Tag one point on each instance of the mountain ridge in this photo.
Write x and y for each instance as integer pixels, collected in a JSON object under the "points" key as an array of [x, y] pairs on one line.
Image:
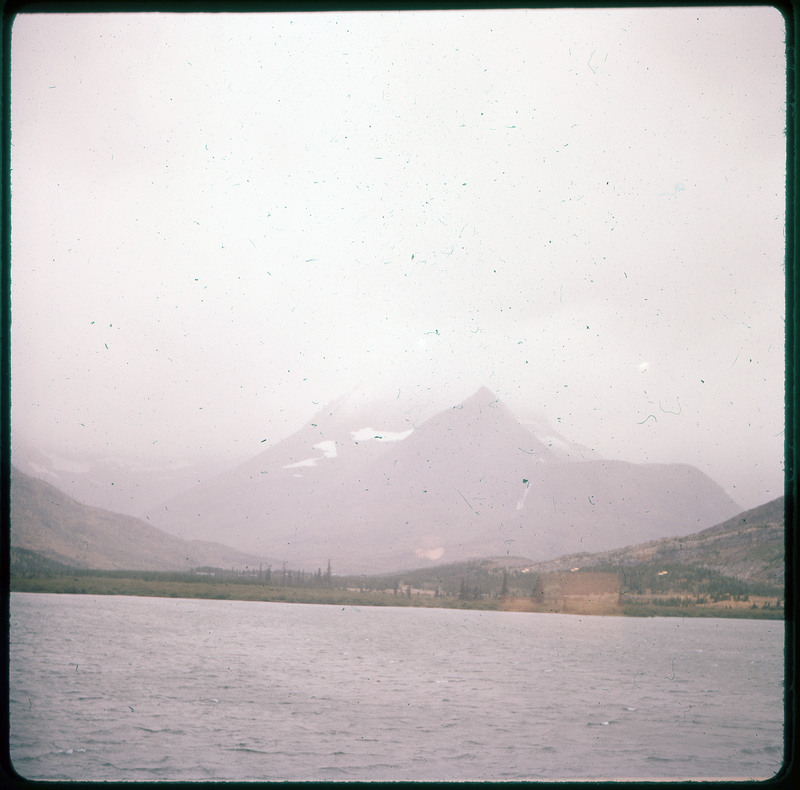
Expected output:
{"points": [[749, 547], [47, 521], [470, 480]]}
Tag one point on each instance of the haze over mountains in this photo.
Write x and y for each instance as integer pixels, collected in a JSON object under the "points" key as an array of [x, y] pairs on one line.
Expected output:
{"points": [[375, 492], [122, 486], [52, 533], [47, 521]]}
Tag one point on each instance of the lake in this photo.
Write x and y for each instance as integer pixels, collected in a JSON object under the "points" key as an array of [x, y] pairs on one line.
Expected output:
{"points": [[117, 688]]}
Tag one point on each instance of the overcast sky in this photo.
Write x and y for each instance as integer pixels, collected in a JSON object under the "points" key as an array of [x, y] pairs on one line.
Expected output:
{"points": [[221, 222]]}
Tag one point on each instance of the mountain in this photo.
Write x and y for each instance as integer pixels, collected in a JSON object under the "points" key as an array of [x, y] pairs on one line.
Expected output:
{"points": [[46, 521], [749, 547], [374, 491], [742, 554]]}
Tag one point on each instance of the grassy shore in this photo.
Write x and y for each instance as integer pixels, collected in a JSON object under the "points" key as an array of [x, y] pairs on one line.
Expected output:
{"points": [[100, 585], [222, 590], [755, 608]]}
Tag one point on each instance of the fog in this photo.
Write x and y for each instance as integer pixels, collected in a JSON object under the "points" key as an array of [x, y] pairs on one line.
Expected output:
{"points": [[222, 222]]}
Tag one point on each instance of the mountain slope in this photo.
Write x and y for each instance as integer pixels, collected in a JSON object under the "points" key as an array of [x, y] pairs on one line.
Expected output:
{"points": [[260, 502], [47, 521], [749, 547], [470, 481]]}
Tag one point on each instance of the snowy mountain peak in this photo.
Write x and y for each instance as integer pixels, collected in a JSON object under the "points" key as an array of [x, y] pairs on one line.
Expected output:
{"points": [[482, 398], [376, 490], [365, 434]]}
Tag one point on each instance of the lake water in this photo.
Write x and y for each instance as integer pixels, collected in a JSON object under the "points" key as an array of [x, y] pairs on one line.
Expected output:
{"points": [[148, 689]]}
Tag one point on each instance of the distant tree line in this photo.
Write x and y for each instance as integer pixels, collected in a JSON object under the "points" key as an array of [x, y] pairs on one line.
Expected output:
{"points": [[285, 577], [30, 563], [481, 580]]}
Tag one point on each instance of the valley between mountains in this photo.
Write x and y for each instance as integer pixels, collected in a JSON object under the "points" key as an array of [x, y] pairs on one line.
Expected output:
{"points": [[369, 492]]}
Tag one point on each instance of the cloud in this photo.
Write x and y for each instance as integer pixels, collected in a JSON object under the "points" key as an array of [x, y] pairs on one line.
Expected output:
{"points": [[216, 232]]}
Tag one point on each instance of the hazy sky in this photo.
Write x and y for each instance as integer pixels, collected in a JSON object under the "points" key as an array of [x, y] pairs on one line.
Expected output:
{"points": [[220, 222]]}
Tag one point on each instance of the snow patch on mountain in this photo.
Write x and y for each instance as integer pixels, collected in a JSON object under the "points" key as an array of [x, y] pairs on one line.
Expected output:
{"points": [[562, 449], [305, 462], [328, 448], [526, 491], [365, 434]]}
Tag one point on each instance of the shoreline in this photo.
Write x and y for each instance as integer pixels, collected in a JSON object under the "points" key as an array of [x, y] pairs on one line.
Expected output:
{"points": [[332, 596]]}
